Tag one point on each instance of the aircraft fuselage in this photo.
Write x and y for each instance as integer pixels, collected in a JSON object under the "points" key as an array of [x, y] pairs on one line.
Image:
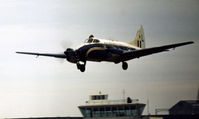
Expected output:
{"points": [[98, 52]]}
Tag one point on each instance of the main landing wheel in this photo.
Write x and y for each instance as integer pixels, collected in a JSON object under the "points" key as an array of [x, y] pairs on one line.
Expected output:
{"points": [[124, 65], [81, 67]]}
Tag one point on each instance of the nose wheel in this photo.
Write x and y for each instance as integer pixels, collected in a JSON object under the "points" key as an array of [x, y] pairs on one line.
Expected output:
{"points": [[81, 67], [124, 65]]}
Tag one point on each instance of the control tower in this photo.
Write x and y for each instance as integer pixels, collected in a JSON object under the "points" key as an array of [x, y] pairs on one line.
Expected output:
{"points": [[99, 106]]}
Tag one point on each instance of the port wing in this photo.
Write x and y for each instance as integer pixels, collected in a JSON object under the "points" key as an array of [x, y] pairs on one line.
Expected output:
{"points": [[148, 51], [44, 54]]}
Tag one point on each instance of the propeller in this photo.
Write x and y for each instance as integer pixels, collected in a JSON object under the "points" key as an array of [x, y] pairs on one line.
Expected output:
{"points": [[64, 44], [72, 55]]}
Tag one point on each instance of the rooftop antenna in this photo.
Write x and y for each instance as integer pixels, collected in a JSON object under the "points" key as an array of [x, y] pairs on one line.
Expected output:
{"points": [[148, 107], [198, 93], [123, 94]]}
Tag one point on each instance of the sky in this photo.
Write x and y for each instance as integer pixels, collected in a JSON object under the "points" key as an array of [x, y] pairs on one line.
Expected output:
{"points": [[43, 86]]}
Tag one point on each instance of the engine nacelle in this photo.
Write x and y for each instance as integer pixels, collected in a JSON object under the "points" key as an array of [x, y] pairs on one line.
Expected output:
{"points": [[71, 55]]}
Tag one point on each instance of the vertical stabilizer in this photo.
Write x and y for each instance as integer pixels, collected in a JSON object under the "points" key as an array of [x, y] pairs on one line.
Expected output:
{"points": [[139, 40]]}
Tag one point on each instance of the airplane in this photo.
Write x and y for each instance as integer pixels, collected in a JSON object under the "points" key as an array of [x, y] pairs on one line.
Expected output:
{"points": [[98, 50]]}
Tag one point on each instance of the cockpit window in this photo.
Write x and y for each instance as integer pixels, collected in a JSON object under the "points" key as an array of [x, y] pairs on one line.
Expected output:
{"points": [[90, 40], [96, 41]]}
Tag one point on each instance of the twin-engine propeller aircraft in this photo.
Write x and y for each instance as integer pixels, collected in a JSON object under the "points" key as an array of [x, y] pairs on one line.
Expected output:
{"points": [[97, 50]]}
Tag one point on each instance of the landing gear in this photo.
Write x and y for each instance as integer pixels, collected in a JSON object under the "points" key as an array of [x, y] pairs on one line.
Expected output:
{"points": [[81, 67], [124, 65]]}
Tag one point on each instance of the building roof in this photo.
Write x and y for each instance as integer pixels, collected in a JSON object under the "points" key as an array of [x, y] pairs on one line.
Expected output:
{"points": [[192, 103]]}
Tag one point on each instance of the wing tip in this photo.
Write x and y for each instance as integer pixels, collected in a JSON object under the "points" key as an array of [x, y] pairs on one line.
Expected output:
{"points": [[18, 52], [190, 42]]}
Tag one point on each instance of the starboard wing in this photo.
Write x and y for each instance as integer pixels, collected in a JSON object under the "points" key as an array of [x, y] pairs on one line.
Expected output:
{"points": [[148, 51]]}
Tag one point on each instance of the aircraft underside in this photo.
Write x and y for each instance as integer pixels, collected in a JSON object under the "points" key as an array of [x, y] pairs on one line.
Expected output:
{"points": [[99, 56], [82, 65]]}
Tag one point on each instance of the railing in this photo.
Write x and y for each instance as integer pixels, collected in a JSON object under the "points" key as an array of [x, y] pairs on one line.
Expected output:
{"points": [[121, 101]]}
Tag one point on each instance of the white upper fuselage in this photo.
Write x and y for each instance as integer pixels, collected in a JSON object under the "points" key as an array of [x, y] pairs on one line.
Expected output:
{"points": [[108, 42]]}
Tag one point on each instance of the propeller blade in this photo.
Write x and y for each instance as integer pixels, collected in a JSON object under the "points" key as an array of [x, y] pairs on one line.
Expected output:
{"points": [[66, 44]]}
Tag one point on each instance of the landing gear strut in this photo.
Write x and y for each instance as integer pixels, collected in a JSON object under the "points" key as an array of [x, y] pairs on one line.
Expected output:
{"points": [[81, 67], [124, 65]]}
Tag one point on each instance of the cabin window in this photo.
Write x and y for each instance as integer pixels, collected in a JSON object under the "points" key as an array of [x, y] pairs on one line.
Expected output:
{"points": [[110, 47]]}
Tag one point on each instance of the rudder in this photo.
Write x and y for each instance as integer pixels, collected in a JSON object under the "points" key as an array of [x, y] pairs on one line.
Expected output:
{"points": [[139, 40]]}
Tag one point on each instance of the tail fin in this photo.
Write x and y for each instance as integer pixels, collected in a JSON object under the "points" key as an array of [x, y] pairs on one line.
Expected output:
{"points": [[139, 40]]}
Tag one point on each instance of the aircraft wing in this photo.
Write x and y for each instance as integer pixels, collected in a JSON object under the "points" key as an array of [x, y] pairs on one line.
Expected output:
{"points": [[44, 54], [148, 51]]}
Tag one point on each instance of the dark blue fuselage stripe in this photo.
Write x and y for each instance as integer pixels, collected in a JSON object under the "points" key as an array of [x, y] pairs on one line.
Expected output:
{"points": [[112, 48]]}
